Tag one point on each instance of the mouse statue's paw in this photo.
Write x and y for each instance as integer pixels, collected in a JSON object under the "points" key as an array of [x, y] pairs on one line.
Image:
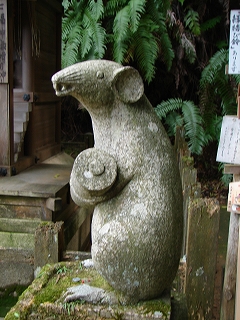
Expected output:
{"points": [[93, 174], [89, 294]]}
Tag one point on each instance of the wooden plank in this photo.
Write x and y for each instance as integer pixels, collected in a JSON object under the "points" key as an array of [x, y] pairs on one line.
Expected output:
{"points": [[237, 303], [5, 132], [3, 42], [54, 204], [74, 223], [55, 4], [229, 285], [201, 252]]}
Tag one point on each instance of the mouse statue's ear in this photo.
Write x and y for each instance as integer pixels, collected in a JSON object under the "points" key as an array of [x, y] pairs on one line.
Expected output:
{"points": [[128, 84]]}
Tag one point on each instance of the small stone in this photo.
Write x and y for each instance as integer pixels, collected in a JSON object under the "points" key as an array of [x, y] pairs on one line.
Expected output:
{"points": [[88, 263], [76, 279]]}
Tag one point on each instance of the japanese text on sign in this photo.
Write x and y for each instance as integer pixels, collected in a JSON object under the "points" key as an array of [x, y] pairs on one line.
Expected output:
{"points": [[234, 43], [229, 144]]}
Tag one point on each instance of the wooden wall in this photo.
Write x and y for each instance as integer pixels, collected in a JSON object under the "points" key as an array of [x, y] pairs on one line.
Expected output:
{"points": [[43, 134], [32, 27]]}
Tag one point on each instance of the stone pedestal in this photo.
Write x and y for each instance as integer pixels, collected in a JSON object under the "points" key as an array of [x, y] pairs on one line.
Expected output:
{"points": [[46, 298]]}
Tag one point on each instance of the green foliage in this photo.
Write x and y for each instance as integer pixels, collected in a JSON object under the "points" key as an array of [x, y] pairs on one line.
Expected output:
{"points": [[83, 36], [168, 35], [216, 85], [190, 118], [131, 30], [191, 20], [210, 24]]}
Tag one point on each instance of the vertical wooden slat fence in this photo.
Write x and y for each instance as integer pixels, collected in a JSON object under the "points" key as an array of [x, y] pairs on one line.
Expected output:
{"points": [[199, 251]]}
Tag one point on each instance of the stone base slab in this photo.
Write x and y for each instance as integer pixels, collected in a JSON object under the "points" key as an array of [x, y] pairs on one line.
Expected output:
{"points": [[44, 298]]}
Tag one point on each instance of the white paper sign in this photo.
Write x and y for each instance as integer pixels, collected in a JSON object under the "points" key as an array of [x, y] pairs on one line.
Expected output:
{"points": [[229, 144], [234, 43]]}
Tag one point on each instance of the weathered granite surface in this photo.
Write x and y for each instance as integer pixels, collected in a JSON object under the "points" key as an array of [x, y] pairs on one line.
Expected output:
{"points": [[130, 176]]}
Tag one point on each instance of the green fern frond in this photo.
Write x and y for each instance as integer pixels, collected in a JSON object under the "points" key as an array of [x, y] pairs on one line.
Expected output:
{"points": [[191, 20], [160, 5], [86, 44], [121, 24], [214, 68], [97, 33], [146, 47], [121, 33], [236, 77], [210, 24], [192, 120], [136, 10], [168, 106], [193, 127], [165, 42], [227, 95], [97, 9], [172, 121], [113, 6]]}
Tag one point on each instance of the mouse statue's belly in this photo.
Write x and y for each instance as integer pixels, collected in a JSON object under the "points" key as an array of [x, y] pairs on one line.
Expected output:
{"points": [[130, 177]]}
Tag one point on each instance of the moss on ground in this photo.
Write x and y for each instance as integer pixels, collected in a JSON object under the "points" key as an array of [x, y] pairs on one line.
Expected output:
{"points": [[9, 297], [44, 299]]}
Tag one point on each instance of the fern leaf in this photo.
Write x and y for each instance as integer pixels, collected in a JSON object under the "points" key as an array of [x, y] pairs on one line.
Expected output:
{"points": [[113, 6], [97, 9], [86, 44], [210, 24], [167, 106], [192, 120], [191, 20], [165, 42], [215, 67], [121, 34], [96, 32], [193, 127], [146, 48], [121, 23], [136, 10]]}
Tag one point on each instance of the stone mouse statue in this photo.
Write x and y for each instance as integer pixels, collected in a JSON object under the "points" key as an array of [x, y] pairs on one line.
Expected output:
{"points": [[131, 178]]}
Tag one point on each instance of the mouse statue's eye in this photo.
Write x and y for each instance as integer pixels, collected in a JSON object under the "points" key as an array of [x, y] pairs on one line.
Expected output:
{"points": [[100, 75]]}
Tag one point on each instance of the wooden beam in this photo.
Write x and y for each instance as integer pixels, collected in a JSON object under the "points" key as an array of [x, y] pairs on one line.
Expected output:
{"points": [[229, 286]]}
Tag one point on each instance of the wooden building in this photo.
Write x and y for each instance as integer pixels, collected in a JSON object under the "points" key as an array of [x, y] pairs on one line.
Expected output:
{"points": [[34, 173], [30, 53]]}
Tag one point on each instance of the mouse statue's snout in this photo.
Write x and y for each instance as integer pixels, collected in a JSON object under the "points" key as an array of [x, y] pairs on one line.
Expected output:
{"points": [[130, 177]]}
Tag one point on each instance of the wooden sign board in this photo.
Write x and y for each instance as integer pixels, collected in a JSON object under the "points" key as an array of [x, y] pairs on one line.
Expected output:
{"points": [[234, 43], [3, 42], [233, 204], [229, 144]]}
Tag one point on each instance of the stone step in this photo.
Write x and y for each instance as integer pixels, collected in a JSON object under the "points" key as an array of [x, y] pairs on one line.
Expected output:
{"points": [[18, 136], [16, 266], [20, 126], [23, 106], [17, 240], [21, 115], [19, 225]]}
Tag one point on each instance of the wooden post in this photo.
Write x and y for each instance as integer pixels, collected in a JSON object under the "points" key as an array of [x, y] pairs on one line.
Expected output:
{"points": [[49, 241], [237, 304], [201, 252], [238, 102], [229, 287]]}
